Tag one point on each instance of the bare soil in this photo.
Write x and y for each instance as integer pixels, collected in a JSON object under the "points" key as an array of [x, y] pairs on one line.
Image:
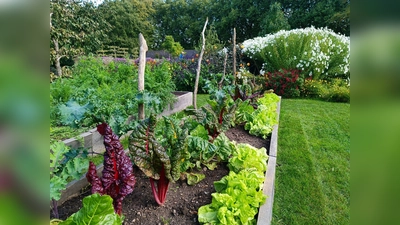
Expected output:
{"points": [[182, 201]]}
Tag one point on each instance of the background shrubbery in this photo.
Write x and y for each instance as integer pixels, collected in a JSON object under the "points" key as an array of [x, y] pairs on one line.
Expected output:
{"points": [[108, 91]]}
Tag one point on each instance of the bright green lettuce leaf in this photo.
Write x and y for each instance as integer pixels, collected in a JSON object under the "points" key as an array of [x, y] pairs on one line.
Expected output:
{"points": [[269, 99], [263, 119], [247, 156], [207, 215], [96, 210]]}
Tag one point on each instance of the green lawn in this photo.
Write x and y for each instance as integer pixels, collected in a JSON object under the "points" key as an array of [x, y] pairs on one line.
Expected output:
{"points": [[313, 173], [202, 100]]}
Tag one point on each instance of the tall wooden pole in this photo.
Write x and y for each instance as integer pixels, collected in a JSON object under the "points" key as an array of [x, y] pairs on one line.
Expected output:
{"points": [[142, 65], [196, 83]]}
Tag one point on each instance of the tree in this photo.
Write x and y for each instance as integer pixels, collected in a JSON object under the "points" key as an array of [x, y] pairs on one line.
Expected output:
{"points": [[334, 14], [128, 18], [73, 30], [174, 48], [274, 20]]}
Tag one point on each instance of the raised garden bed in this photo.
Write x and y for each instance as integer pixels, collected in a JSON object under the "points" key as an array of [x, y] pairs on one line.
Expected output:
{"points": [[183, 201], [93, 141]]}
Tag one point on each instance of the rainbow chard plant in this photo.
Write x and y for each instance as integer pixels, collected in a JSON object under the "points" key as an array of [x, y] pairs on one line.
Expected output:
{"points": [[117, 178], [218, 115], [160, 156]]}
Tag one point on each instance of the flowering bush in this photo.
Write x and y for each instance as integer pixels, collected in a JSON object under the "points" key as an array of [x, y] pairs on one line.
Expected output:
{"points": [[286, 83], [317, 53]]}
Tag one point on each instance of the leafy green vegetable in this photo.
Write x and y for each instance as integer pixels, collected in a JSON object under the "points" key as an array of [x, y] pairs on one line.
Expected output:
{"points": [[238, 195], [194, 178], [96, 210], [247, 156], [72, 113], [203, 151], [243, 112], [264, 118], [237, 200], [111, 91], [65, 164], [218, 115], [160, 157]]}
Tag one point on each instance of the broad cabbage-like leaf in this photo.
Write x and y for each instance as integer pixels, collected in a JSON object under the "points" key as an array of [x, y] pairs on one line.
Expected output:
{"points": [[96, 210], [72, 112]]}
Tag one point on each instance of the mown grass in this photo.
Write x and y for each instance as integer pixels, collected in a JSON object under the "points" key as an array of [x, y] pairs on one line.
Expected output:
{"points": [[313, 173]]}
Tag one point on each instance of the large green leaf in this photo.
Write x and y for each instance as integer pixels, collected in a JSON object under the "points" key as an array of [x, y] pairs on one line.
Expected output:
{"points": [[75, 168], [72, 112], [57, 151], [150, 152], [145, 151], [96, 210], [57, 184]]}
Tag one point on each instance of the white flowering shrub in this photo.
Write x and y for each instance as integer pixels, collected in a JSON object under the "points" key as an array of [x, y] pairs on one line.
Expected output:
{"points": [[317, 53]]}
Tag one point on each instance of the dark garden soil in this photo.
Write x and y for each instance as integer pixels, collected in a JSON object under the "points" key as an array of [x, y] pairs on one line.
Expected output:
{"points": [[182, 201]]}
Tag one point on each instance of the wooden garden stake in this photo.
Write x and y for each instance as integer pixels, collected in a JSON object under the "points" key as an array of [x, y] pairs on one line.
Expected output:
{"points": [[196, 84], [142, 65]]}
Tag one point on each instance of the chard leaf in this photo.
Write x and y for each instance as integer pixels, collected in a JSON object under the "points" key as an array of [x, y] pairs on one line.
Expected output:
{"points": [[224, 146], [144, 149], [194, 178], [211, 166], [96, 210], [200, 131], [117, 176]]}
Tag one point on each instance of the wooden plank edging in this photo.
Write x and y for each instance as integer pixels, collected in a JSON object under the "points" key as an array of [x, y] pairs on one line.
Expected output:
{"points": [[265, 211]]}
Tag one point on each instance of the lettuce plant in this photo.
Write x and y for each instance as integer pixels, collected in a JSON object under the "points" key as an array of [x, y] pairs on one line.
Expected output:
{"points": [[238, 195], [247, 156], [159, 158], [264, 118], [117, 177], [238, 202]]}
